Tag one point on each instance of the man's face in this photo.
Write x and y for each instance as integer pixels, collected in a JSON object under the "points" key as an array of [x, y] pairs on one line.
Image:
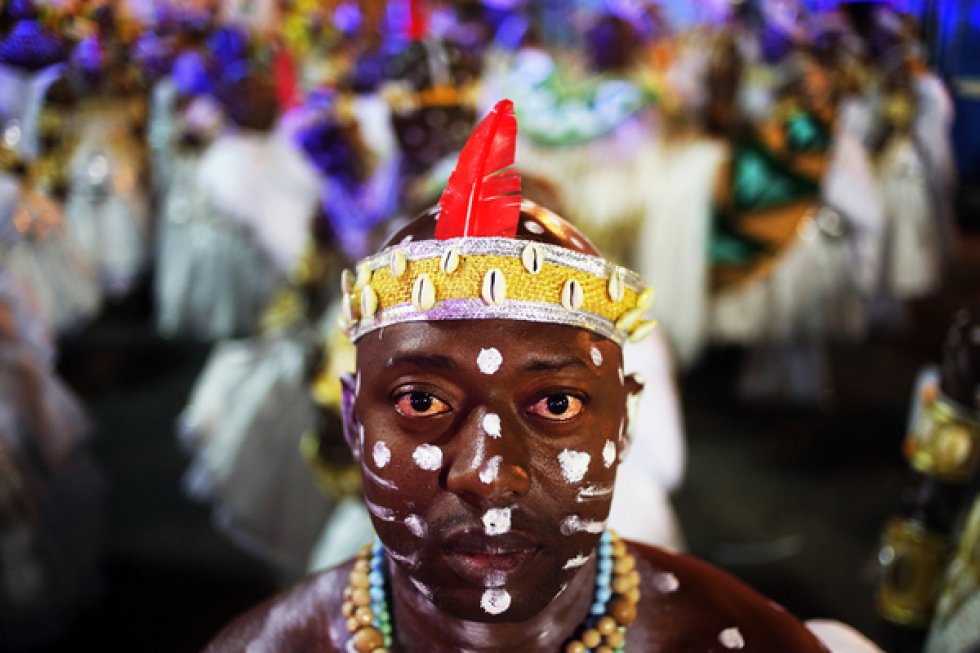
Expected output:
{"points": [[489, 451]]}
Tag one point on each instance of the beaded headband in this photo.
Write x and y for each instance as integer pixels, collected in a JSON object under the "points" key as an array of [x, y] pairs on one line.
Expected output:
{"points": [[475, 269]]}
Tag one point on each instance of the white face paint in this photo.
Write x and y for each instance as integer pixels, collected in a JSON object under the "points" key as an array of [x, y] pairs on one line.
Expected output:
{"points": [[408, 561], [489, 473], [622, 377], [415, 525], [382, 513], [596, 356], [495, 579], [574, 464], [496, 521], [377, 480], [422, 589], [593, 492], [360, 437], [357, 384], [575, 524], [491, 425], [382, 454], [489, 360], [608, 454], [666, 582], [495, 601], [428, 457], [731, 638], [576, 562]]}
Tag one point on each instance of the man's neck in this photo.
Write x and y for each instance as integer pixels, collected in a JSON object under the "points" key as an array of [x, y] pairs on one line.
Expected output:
{"points": [[418, 620]]}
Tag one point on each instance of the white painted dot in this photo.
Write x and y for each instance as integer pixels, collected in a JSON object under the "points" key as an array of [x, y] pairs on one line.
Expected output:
{"points": [[609, 454], [489, 360], [415, 525], [495, 579], [575, 524], [596, 356], [382, 454], [406, 240], [533, 227], [574, 464], [381, 512], [357, 384], [622, 378], [495, 601], [576, 562], [428, 457], [489, 473], [491, 425], [731, 638], [578, 242], [666, 582], [496, 521]]}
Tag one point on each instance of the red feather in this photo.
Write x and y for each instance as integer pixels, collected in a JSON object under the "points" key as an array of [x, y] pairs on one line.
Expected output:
{"points": [[483, 197], [416, 20]]}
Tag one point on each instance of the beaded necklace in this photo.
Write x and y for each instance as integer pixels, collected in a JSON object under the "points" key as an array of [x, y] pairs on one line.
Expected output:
{"points": [[617, 591]]}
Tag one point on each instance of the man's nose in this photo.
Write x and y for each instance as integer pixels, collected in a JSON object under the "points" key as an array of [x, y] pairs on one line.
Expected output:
{"points": [[490, 459]]}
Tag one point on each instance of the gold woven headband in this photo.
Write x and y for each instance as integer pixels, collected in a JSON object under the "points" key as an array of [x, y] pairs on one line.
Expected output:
{"points": [[495, 278]]}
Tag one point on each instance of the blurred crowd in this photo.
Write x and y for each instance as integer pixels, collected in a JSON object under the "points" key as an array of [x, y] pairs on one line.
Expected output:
{"points": [[782, 176]]}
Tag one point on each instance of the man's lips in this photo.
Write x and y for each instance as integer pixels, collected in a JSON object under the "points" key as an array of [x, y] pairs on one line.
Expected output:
{"points": [[480, 558]]}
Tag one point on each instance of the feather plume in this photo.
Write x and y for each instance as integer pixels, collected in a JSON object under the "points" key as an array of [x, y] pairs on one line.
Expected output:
{"points": [[416, 20], [483, 197]]}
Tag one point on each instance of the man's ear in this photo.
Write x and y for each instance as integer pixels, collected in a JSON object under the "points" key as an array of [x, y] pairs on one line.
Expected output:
{"points": [[352, 428], [633, 383]]}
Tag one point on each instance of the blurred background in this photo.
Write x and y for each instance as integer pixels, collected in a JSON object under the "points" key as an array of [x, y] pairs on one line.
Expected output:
{"points": [[183, 185]]}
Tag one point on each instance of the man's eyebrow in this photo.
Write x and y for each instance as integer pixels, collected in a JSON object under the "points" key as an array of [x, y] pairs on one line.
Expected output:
{"points": [[430, 361], [553, 364]]}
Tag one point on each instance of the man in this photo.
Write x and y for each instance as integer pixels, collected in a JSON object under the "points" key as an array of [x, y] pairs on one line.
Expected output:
{"points": [[489, 413]]}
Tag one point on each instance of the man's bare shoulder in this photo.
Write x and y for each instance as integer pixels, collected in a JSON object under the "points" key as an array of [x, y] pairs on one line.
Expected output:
{"points": [[687, 604], [304, 618]]}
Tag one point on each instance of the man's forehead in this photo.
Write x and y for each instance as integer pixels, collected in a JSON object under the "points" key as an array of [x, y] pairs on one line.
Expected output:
{"points": [[447, 344]]}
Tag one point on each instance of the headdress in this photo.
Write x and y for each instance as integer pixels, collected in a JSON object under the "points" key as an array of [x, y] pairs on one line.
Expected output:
{"points": [[474, 268]]}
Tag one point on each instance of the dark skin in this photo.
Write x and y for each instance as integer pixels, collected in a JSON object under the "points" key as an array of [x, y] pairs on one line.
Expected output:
{"points": [[421, 389]]}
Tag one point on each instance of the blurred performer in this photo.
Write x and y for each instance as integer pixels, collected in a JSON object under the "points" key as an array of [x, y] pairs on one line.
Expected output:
{"points": [[107, 205], [38, 249], [50, 491], [917, 550]]}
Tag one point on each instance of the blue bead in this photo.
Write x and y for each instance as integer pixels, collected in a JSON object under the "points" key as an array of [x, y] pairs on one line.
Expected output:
{"points": [[605, 550], [603, 594], [603, 579], [376, 578], [598, 609], [377, 594], [605, 566]]}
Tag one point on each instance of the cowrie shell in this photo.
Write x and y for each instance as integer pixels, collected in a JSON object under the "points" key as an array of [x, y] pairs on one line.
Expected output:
{"points": [[642, 330], [346, 281], [628, 319], [533, 258], [369, 301], [423, 293], [645, 300], [363, 275], [617, 285], [347, 307], [494, 287], [572, 295], [398, 264], [450, 260]]}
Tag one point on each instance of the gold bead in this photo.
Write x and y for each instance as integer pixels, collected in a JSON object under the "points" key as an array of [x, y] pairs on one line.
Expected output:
{"points": [[606, 625], [621, 584], [619, 548], [348, 592], [364, 616], [622, 610], [361, 597], [352, 625], [362, 565], [633, 595], [624, 565], [575, 646], [603, 649], [616, 639], [367, 639], [359, 579], [347, 609], [591, 638], [634, 578]]}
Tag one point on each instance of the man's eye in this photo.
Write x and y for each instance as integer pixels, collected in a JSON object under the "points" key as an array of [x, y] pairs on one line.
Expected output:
{"points": [[420, 404], [559, 407]]}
